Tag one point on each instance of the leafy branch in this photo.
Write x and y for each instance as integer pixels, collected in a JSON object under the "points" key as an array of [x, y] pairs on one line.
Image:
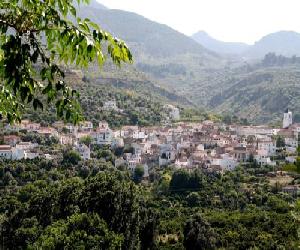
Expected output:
{"points": [[36, 38]]}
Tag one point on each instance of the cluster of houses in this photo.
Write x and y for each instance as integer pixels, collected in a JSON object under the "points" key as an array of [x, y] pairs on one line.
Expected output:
{"points": [[207, 145]]}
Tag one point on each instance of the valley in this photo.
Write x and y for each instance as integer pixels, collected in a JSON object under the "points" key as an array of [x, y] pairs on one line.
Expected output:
{"points": [[162, 141], [228, 83]]}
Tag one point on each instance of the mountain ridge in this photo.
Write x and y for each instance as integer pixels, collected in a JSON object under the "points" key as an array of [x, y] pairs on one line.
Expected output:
{"points": [[284, 42], [219, 46], [208, 80]]}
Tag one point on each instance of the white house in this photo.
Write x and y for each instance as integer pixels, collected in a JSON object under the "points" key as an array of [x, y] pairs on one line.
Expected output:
{"points": [[110, 105], [26, 145], [167, 154], [84, 151], [182, 162], [139, 135], [262, 158], [225, 161], [31, 155], [174, 112], [290, 159], [132, 160], [6, 152], [103, 124], [146, 171], [102, 136], [268, 145], [71, 128], [65, 140], [86, 126], [290, 141], [11, 153]]}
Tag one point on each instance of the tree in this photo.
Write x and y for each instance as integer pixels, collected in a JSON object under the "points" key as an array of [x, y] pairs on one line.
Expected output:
{"points": [[85, 213], [183, 181], [138, 173], [280, 142], [8, 179], [87, 140], [297, 163], [71, 157], [180, 181], [79, 231], [198, 234], [36, 38], [193, 199]]}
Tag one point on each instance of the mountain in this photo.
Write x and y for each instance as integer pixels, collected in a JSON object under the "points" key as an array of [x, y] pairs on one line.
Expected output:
{"points": [[146, 38], [286, 43], [219, 46], [172, 67], [165, 56], [260, 95]]}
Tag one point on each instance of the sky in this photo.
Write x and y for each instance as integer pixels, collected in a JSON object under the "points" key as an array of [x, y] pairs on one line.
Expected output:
{"points": [[227, 20]]}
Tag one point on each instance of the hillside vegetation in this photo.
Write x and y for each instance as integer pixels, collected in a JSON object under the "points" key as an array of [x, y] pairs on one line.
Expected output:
{"points": [[177, 63]]}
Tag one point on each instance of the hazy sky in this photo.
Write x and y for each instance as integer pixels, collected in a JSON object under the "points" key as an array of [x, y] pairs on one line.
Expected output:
{"points": [[227, 20]]}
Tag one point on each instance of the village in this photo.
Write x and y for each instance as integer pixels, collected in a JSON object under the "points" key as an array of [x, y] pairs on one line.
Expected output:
{"points": [[208, 145]]}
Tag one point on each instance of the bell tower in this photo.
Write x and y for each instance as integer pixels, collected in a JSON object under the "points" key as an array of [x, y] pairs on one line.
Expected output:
{"points": [[287, 119]]}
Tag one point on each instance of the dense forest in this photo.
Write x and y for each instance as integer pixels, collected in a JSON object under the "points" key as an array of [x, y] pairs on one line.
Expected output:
{"points": [[72, 203]]}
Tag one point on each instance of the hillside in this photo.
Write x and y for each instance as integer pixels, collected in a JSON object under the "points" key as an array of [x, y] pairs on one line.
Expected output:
{"points": [[148, 38], [167, 61], [259, 92], [286, 43], [156, 46], [219, 46], [139, 99], [261, 95]]}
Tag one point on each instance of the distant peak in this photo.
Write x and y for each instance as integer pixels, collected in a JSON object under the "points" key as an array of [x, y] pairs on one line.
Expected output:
{"points": [[203, 38], [201, 33]]}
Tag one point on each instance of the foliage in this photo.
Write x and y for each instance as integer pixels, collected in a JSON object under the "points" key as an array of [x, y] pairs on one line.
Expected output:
{"points": [[183, 181], [48, 204], [280, 142], [87, 140], [290, 168], [138, 173], [71, 157], [79, 231], [36, 35], [134, 108], [74, 213], [198, 234]]}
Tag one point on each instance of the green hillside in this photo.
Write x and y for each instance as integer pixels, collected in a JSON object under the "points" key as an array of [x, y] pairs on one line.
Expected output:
{"points": [[261, 95], [195, 75], [140, 100]]}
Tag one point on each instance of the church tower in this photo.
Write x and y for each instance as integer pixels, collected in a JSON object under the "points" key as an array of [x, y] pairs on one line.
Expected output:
{"points": [[287, 119]]}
